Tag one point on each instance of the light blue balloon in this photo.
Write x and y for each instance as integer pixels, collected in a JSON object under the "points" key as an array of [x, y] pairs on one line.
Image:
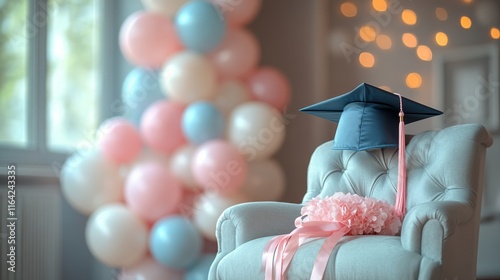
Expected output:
{"points": [[140, 89], [175, 242], [200, 26], [202, 122], [199, 271]]}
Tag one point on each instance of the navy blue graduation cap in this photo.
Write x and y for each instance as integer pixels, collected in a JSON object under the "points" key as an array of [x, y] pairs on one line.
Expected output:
{"points": [[368, 117]]}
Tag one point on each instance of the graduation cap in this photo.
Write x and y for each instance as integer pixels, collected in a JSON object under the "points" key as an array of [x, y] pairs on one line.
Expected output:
{"points": [[369, 117]]}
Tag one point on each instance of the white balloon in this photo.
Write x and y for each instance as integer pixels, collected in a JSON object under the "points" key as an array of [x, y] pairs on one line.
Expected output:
{"points": [[256, 129], [166, 7], [189, 77], [208, 209], [265, 181], [181, 166], [116, 236], [89, 181], [231, 94]]}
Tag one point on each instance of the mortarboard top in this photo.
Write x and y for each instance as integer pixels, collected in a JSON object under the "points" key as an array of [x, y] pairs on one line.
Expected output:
{"points": [[368, 117]]}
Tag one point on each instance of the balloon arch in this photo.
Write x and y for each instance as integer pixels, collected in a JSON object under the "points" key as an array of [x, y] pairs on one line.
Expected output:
{"points": [[202, 124]]}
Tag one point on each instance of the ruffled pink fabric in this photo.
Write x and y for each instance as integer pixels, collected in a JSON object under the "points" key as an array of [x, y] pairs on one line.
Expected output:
{"points": [[331, 218], [362, 215]]}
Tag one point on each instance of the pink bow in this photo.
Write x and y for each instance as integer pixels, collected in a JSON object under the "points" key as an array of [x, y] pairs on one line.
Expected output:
{"points": [[280, 250]]}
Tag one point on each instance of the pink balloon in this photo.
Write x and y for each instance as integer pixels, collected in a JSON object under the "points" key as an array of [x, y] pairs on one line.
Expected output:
{"points": [[237, 55], [152, 192], [239, 12], [270, 86], [149, 269], [219, 167], [161, 126], [120, 141], [148, 39]]}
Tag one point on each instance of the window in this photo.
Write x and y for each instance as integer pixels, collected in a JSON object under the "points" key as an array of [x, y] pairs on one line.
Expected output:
{"points": [[13, 73], [72, 72], [53, 75]]}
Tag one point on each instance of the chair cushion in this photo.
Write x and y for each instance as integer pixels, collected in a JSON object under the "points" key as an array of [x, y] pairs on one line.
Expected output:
{"points": [[354, 257]]}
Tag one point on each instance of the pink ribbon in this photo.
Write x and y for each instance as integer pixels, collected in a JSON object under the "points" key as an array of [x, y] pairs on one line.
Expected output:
{"points": [[279, 251]]}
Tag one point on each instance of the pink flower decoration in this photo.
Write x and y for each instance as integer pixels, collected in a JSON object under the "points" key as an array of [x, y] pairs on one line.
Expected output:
{"points": [[362, 215]]}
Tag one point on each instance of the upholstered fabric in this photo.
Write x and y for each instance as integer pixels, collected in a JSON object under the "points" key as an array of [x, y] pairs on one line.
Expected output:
{"points": [[439, 234]]}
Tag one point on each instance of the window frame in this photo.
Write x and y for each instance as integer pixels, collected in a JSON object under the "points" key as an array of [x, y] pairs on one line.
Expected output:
{"points": [[37, 159]]}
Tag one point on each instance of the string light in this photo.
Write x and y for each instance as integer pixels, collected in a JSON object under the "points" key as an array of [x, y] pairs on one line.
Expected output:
{"points": [[413, 80], [495, 33], [465, 22], [424, 53], [348, 9], [366, 59], [409, 40], [409, 17], [379, 5], [441, 39], [441, 14], [384, 42], [367, 33]]}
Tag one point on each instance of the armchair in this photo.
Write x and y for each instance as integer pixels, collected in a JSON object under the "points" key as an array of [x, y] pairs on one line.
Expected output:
{"points": [[439, 235]]}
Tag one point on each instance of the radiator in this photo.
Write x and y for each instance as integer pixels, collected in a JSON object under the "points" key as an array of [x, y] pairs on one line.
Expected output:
{"points": [[38, 234]]}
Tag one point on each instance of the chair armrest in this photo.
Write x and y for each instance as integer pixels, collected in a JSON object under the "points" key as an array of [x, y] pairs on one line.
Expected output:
{"points": [[247, 221], [427, 225]]}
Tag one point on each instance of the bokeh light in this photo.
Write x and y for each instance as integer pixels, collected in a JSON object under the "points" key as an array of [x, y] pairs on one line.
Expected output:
{"points": [[424, 53], [468, 1], [441, 39], [409, 40], [495, 33], [367, 33], [379, 5], [409, 17], [366, 59], [348, 9], [384, 42], [441, 14], [465, 22], [413, 80], [386, 88]]}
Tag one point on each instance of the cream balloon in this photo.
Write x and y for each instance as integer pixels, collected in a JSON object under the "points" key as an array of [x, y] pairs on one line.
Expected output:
{"points": [[181, 166], [165, 7], [208, 209], [116, 236], [230, 94], [265, 181], [256, 129], [189, 77], [89, 181]]}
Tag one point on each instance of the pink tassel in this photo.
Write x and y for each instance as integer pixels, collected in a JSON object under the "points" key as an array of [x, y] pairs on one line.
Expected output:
{"points": [[400, 205]]}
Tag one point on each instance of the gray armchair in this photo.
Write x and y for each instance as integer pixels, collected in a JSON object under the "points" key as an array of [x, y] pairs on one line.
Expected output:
{"points": [[439, 235]]}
